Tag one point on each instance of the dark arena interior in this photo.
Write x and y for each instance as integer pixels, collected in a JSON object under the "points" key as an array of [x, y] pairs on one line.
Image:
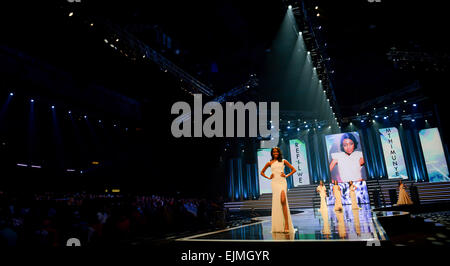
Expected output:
{"points": [[117, 126]]}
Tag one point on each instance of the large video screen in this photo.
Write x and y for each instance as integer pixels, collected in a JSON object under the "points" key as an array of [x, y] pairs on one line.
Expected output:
{"points": [[433, 154], [299, 161], [345, 157], [393, 153], [264, 183]]}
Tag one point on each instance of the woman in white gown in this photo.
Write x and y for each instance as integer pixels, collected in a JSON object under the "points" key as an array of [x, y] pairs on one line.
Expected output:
{"points": [[352, 189], [323, 195], [403, 197], [337, 196], [281, 216]]}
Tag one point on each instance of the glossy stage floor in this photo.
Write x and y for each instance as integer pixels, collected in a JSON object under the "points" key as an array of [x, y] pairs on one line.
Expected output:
{"points": [[311, 225]]}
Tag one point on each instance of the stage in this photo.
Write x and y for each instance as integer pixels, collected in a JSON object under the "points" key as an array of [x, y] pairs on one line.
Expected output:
{"points": [[311, 225]]}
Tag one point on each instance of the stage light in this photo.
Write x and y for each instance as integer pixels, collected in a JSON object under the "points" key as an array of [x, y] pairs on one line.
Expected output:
{"points": [[367, 113], [70, 112], [385, 107], [11, 94], [318, 126], [413, 120], [376, 116], [306, 126], [298, 129], [290, 7], [385, 117], [309, 52], [70, 14], [414, 105], [304, 122], [329, 126], [117, 40], [81, 171], [426, 121], [299, 33], [92, 24], [32, 100], [316, 7], [318, 14], [362, 121], [405, 101], [288, 127], [99, 121], [400, 124], [53, 107], [289, 122], [106, 41], [396, 111], [85, 116], [351, 123]]}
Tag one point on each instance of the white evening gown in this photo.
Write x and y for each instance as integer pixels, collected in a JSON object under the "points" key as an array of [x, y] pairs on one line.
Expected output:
{"points": [[323, 197], [279, 184], [338, 199], [353, 198]]}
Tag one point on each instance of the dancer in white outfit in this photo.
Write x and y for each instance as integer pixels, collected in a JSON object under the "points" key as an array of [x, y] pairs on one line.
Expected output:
{"points": [[322, 190], [353, 189], [281, 216]]}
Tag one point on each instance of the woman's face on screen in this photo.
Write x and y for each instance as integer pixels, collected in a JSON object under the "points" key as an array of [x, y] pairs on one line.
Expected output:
{"points": [[348, 145]]}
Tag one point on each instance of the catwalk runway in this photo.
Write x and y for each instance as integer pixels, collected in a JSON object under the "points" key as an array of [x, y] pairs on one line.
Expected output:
{"points": [[310, 225]]}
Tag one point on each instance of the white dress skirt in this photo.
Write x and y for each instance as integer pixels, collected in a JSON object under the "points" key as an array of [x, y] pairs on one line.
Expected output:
{"points": [[279, 184], [323, 196], [353, 198]]}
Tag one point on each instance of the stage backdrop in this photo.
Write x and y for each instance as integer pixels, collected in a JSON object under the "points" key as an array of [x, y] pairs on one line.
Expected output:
{"points": [[299, 162], [348, 167], [393, 153], [434, 156], [362, 195], [264, 183]]}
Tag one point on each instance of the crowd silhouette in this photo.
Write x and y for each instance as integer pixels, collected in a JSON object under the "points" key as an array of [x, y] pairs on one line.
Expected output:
{"points": [[50, 219]]}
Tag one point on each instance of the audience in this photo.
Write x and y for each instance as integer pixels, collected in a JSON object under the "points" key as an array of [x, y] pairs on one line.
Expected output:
{"points": [[50, 219]]}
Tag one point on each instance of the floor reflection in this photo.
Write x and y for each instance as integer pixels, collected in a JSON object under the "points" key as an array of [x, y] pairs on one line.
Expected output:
{"points": [[312, 224]]}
